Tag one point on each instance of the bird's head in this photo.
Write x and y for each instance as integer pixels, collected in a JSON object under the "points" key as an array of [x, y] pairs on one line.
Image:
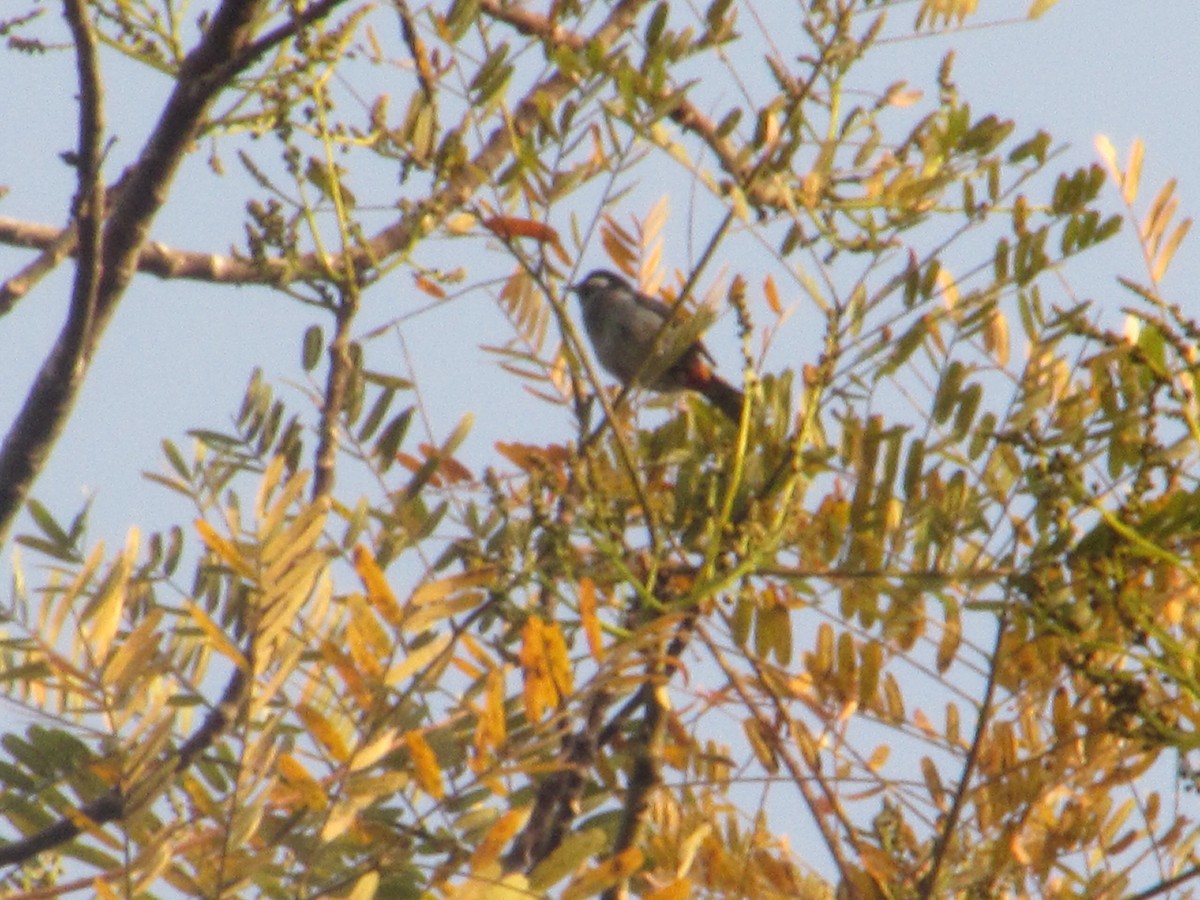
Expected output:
{"points": [[599, 284]]}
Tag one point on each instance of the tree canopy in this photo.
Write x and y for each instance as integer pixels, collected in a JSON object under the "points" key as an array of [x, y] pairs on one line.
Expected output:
{"points": [[919, 624]]}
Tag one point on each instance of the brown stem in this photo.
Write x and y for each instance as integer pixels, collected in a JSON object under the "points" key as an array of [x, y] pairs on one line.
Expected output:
{"points": [[645, 776], [337, 386]]}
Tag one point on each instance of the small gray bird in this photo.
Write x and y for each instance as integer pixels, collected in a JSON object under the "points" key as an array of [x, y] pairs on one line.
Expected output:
{"points": [[623, 324]]}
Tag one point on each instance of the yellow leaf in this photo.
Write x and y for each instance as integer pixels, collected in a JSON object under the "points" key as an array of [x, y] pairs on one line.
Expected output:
{"points": [[374, 751], [417, 661], [951, 638], [1108, 155], [135, 650], [995, 337], [323, 732], [425, 765], [608, 873], [365, 638], [1133, 174], [933, 780], [949, 291], [340, 818], [365, 888], [103, 613], [216, 636], [436, 590], [1168, 251], [460, 224], [423, 619], [282, 549], [379, 592], [1159, 215], [688, 849], [225, 550]]}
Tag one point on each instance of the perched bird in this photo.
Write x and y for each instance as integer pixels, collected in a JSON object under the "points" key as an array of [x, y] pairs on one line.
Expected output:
{"points": [[624, 327]]}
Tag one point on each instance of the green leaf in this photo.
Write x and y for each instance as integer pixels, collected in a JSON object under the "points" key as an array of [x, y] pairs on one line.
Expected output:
{"points": [[314, 342]]}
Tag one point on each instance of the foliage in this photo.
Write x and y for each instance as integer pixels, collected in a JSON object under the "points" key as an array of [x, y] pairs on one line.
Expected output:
{"points": [[920, 624]]}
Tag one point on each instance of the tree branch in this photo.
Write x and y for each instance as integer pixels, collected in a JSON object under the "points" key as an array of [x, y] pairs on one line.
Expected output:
{"points": [[87, 209], [116, 804], [153, 258], [138, 197], [684, 113]]}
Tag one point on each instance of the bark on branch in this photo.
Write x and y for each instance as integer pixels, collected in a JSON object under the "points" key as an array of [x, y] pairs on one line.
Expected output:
{"points": [[226, 49]]}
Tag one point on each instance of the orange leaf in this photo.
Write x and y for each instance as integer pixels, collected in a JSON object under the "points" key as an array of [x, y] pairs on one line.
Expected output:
{"points": [[538, 691], [429, 286], [425, 765], [298, 788], [497, 838], [533, 457], [772, 294], [558, 660], [454, 471], [508, 227], [676, 890], [414, 465], [350, 675], [591, 622], [379, 592], [491, 731]]}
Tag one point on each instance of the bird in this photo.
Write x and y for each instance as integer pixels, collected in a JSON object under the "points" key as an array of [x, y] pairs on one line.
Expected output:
{"points": [[624, 327]]}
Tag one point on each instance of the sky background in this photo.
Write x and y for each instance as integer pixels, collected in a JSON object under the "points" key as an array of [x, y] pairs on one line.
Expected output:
{"points": [[178, 354]]}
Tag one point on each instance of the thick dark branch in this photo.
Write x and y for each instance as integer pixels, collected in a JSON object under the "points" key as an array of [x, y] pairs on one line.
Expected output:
{"points": [[645, 777], [157, 259], [136, 200], [27, 445], [253, 52], [142, 191], [559, 797], [87, 210]]}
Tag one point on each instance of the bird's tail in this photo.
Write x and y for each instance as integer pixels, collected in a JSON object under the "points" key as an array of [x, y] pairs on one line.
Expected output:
{"points": [[724, 396]]}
